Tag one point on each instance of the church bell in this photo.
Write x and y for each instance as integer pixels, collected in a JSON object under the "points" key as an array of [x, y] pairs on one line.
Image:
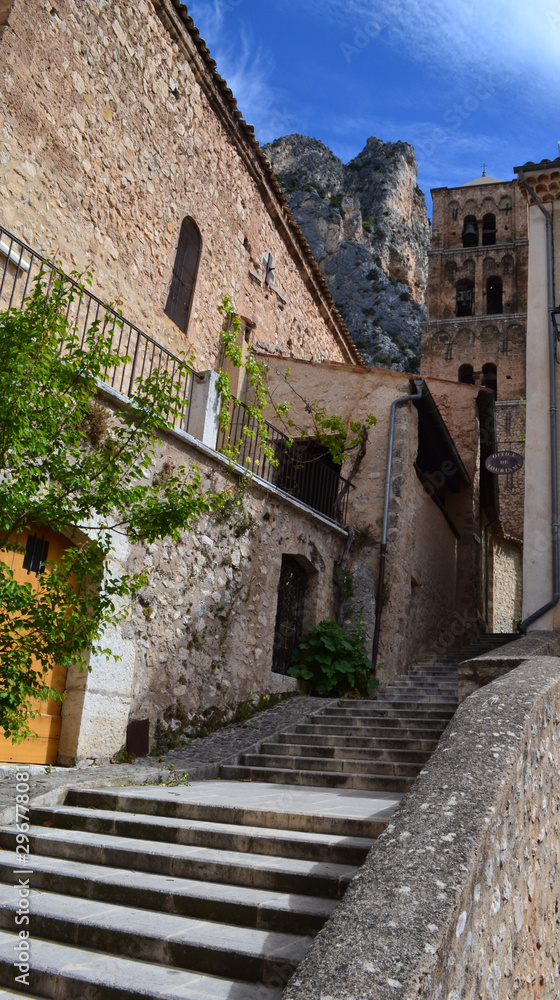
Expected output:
{"points": [[470, 235]]}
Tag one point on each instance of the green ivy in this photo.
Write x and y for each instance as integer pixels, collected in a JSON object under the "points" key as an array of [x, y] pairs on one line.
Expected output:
{"points": [[86, 473]]}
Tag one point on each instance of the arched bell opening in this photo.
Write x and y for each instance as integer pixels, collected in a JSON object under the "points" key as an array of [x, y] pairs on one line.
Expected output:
{"points": [[494, 296], [470, 232], [489, 230], [464, 298], [466, 374], [490, 377]]}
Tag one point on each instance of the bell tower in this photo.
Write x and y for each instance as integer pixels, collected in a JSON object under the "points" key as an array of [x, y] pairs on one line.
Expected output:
{"points": [[476, 326]]}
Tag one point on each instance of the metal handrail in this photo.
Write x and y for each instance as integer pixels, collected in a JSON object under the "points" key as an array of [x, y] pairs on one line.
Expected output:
{"points": [[22, 265], [295, 470]]}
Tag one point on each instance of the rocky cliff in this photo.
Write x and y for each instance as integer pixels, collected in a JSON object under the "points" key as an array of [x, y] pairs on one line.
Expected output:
{"points": [[366, 224]]}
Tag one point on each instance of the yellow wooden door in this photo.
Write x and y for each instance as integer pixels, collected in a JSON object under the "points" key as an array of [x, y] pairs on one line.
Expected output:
{"points": [[44, 748]]}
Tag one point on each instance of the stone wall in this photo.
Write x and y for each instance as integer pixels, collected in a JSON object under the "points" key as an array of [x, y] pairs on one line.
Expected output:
{"points": [[201, 634], [426, 556], [113, 128], [507, 560], [459, 896]]}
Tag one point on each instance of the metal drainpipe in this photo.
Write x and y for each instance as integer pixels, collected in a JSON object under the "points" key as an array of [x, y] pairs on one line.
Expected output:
{"points": [[487, 569], [553, 433], [383, 544]]}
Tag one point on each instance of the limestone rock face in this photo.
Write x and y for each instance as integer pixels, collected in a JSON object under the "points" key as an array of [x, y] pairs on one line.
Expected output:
{"points": [[366, 224]]}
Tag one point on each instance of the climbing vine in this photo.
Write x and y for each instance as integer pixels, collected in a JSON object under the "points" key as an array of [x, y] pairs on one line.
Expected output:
{"points": [[338, 436]]}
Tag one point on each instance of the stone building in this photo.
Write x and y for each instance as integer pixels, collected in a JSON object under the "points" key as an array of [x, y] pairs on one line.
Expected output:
{"points": [[476, 332], [121, 147]]}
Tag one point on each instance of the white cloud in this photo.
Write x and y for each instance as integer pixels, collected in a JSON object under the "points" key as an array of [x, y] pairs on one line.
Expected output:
{"points": [[457, 36], [247, 66]]}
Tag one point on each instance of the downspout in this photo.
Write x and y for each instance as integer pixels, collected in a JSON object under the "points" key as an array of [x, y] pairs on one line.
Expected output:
{"points": [[419, 383], [553, 433], [487, 570]]}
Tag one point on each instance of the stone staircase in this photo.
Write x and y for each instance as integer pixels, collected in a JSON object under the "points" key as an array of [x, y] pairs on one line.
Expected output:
{"points": [[216, 890]]}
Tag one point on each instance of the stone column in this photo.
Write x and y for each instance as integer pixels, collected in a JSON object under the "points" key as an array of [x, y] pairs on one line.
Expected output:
{"points": [[204, 410]]}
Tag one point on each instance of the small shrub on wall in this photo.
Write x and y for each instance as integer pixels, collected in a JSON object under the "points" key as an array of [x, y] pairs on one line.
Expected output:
{"points": [[333, 661]]}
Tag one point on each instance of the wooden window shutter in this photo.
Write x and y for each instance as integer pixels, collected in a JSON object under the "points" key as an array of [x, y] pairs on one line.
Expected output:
{"points": [[181, 291]]}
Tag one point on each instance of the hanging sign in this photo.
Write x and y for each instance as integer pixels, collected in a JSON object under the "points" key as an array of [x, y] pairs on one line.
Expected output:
{"points": [[503, 462]]}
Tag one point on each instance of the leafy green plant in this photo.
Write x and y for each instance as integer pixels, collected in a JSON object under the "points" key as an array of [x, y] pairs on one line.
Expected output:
{"points": [[84, 472], [256, 372], [334, 661]]}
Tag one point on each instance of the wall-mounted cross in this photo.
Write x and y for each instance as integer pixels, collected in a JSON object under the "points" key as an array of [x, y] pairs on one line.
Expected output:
{"points": [[507, 209]]}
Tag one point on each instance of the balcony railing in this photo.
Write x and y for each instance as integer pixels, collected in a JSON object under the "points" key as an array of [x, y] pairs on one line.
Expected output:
{"points": [[20, 265], [301, 469]]}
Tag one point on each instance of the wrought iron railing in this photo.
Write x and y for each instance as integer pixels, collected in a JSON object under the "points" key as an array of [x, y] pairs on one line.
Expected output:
{"points": [[20, 265], [301, 469]]}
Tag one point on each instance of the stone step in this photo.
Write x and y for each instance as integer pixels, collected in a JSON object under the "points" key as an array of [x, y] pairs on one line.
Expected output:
{"points": [[220, 836], [423, 682], [283, 875], [355, 715], [400, 703], [386, 728], [7, 994], [425, 696], [287, 812], [197, 945], [71, 973], [327, 779], [348, 741], [345, 752], [333, 765], [246, 907]]}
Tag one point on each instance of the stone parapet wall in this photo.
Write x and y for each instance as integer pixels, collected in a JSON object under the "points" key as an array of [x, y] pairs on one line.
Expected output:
{"points": [[458, 899]]}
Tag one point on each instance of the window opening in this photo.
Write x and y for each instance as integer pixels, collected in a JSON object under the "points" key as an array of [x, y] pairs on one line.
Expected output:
{"points": [[35, 556], [488, 230], [466, 374], [464, 298], [181, 290], [494, 296], [470, 232], [451, 271], [490, 377], [307, 471], [289, 613]]}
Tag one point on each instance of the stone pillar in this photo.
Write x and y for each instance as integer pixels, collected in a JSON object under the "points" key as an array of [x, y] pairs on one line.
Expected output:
{"points": [[204, 410], [537, 554]]}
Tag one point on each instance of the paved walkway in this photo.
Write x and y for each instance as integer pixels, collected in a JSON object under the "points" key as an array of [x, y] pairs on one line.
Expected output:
{"points": [[200, 758]]}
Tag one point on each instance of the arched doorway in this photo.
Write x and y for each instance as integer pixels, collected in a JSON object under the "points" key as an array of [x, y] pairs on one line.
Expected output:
{"points": [[290, 608], [41, 545]]}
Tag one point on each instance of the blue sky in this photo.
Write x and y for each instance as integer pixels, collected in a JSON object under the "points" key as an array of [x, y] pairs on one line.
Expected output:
{"points": [[466, 82]]}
